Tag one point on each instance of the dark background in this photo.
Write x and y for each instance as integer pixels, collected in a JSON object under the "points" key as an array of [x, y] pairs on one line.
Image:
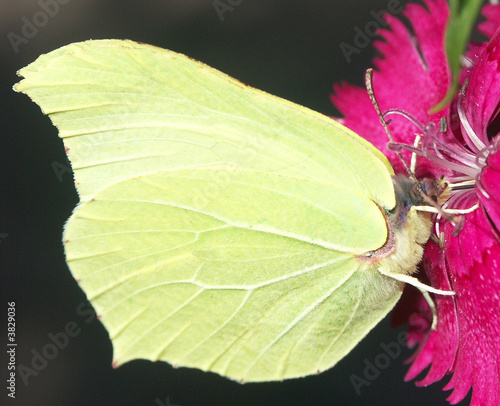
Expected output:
{"points": [[288, 48]]}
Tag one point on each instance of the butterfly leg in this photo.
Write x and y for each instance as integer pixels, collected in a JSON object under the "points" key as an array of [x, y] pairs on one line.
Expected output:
{"points": [[422, 287]]}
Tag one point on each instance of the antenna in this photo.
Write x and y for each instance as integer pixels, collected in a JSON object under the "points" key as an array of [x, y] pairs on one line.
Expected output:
{"points": [[432, 207], [371, 93]]}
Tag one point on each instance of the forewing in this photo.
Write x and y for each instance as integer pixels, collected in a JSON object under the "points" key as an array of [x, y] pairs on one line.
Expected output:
{"points": [[126, 109]]}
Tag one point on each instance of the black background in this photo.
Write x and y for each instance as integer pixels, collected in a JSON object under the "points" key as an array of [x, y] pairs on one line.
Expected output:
{"points": [[288, 48]]}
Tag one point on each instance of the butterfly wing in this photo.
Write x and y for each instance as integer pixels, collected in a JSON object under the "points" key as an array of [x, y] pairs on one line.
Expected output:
{"points": [[218, 226]]}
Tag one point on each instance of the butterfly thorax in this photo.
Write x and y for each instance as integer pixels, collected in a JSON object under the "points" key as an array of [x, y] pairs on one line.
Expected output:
{"points": [[408, 229]]}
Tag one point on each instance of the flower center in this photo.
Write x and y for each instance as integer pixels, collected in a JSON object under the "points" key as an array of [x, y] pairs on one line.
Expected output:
{"points": [[461, 152]]}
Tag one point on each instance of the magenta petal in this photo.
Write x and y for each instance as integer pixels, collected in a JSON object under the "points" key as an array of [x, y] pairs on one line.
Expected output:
{"points": [[492, 14], [408, 77], [465, 250], [467, 339], [483, 93], [489, 187], [477, 361], [360, 116], [488, 27], [428, 78], [413, 75]]}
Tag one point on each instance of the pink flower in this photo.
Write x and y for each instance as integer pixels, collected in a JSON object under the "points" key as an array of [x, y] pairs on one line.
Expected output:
{"points": [[413, 76]]}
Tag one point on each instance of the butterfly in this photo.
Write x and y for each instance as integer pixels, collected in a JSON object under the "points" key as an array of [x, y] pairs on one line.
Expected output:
{"points": [[220, 227]]}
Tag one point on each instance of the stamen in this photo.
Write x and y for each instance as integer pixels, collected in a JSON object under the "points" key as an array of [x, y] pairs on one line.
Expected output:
{"points": [[460, 155], [471, 172], [464, 179], [456, 221], [482, 155], [477, 144], [482, 190], [444, 155], [413, 161], [460, 198], [436, 225]]}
